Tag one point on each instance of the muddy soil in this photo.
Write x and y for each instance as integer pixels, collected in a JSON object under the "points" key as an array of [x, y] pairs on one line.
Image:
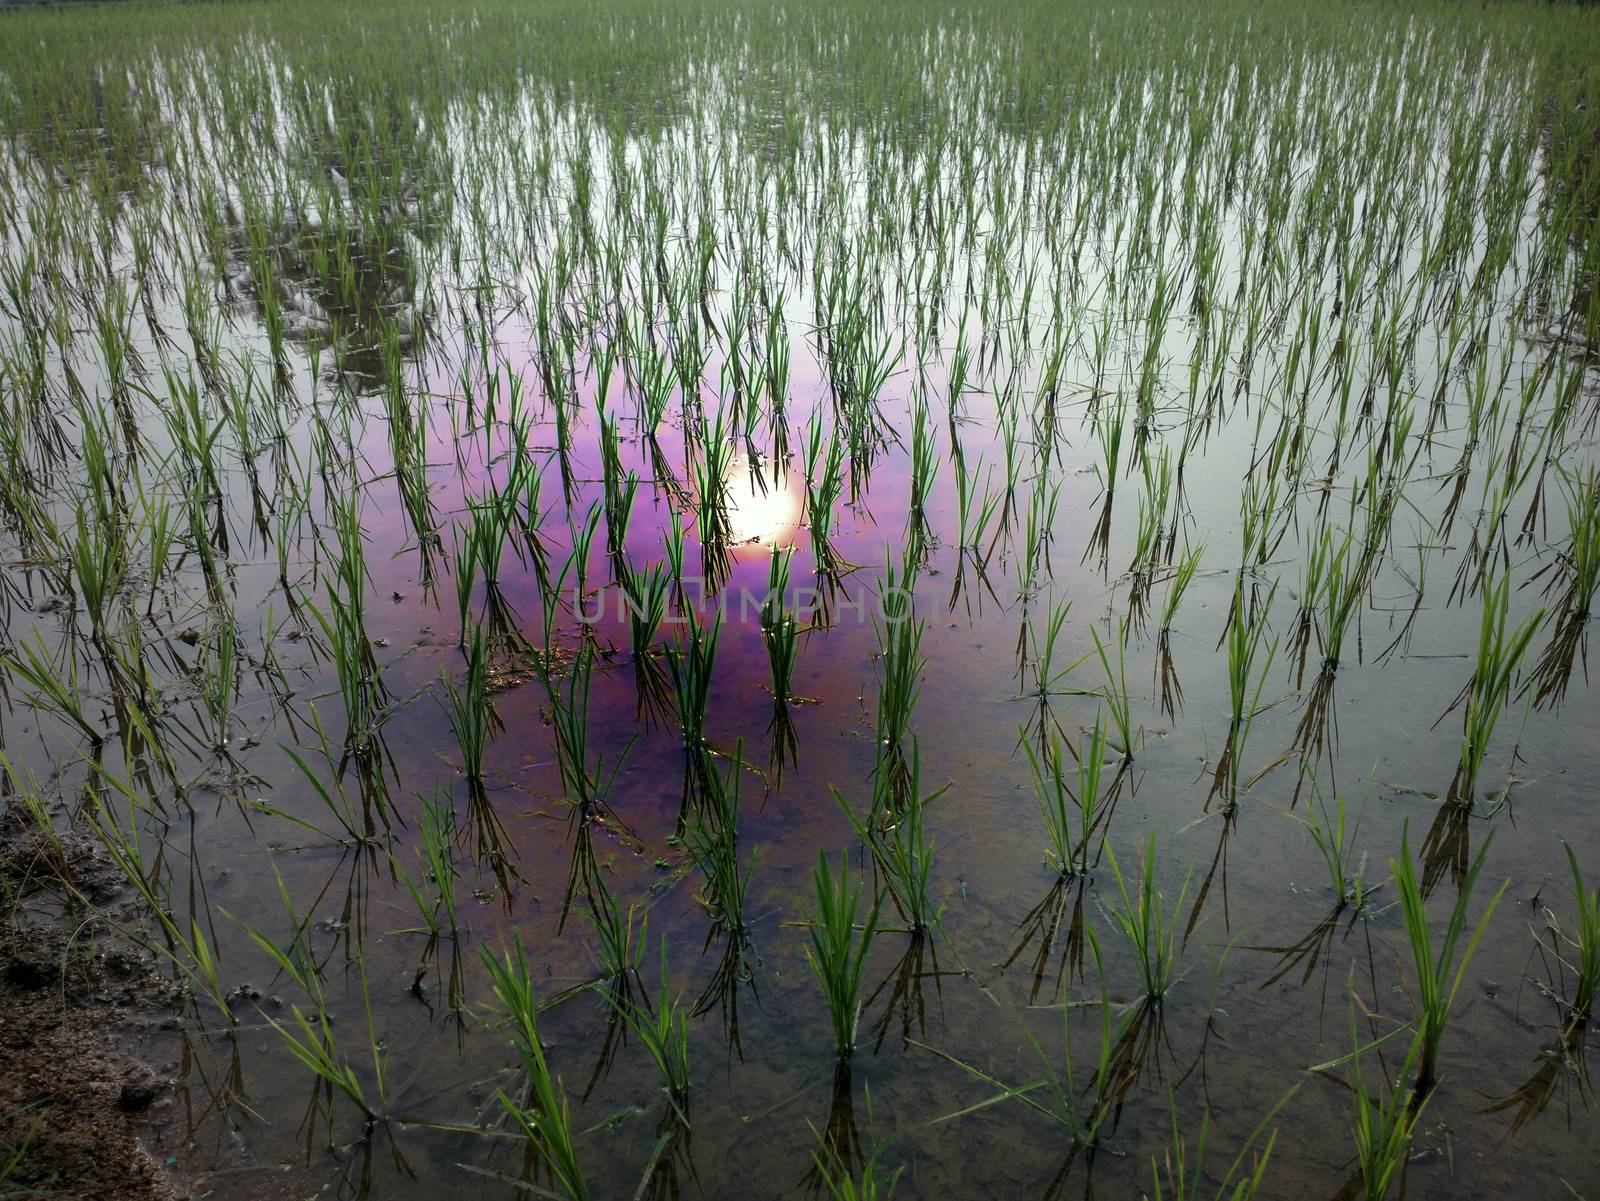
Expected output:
{"points": [[74, 996]]}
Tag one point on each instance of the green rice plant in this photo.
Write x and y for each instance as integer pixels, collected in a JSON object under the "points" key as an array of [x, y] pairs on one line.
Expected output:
{"points": [[619, 942], [540, 1109], [1175, 1177], [1346, 872], [1115, 691], [895, 834], [587, 783], [1071, 813], [56, 690], [1245, 636], [469, 710], [1499, 655], [712, 840], [779, 629], [1062, 1093], [1439, 968], [1582, 951], [663, 1030], [839, 947], [1141, 918], [690, 666], [1384, 1121], [867, 1183], [900, 660], [436, 830]]}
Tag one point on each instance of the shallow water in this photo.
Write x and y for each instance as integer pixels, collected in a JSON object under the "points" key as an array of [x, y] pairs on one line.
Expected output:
{"points": [[482, 187]]}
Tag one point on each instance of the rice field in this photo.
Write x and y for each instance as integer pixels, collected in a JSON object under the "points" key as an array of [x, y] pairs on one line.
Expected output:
{"points": [[740, 598]]}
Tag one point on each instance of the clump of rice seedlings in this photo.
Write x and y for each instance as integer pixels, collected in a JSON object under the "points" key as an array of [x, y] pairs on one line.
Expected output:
{"points": [[1577, 952], [869, 1182], [824, 469], [1500, 653], [1036, 535], [1384, 1121], [895, 834], [471, 713], [1175, 1177], [690, 667], [1041, 651], [57, 690], [1142, 919], [841, 939], [1147, 539], [587, 785], [540, 1107], [663, 1031], [1246, 635], [712, 468], [22, 792], [712, 840], [1439, 968], [1077, 1104], [900, 661], [1575, 584], [1346, 871], [975, 513], [1109, 426], [344, 625], [313, 1040], [924, 470], [436, 829], [1115, 691], [779, 630], [619, 941], [1171, 691], [1071, 811]]}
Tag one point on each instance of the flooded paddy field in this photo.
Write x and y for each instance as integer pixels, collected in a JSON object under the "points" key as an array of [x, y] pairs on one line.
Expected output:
{"points": [[752, 599]]}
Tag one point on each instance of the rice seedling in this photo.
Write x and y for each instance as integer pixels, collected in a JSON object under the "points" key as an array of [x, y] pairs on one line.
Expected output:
{"points": [[1440, 967], [1346, 871], [712, 840], [1579, 951], [1115, 692], [1500, 654], [894, 832], [1173, 1177], [1384, 1124], [540, 1109], [1071, 812], [841, 939], [779, 630], [663, 1031], [472, 716], [1245, 636], [1141, 918]]}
